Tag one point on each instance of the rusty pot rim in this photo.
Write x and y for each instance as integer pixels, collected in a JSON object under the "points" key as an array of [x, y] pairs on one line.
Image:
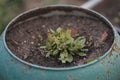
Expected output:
{"points": [[66, 68]]}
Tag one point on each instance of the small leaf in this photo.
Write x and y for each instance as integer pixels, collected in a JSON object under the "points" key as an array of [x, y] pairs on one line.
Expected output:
{"points": [[62, 36], [56, 41], [48, 45], [50, 37], [63, 61], [84, 50], [62, 56], [48, 54], [55, 52], [89, 60], [40, 37], [82, 54], [80, 42], [39, 44], [43, 47], [59, 30], [51, 30], [90, 38], [32, 43], [68, 34], [69, 58]]}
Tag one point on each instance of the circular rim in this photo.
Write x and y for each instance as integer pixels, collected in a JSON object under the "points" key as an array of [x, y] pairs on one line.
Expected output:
{"points": [[62, 68]]}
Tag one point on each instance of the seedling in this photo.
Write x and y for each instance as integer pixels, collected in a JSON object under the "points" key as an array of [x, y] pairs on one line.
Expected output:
{"points": [[61, 44]]}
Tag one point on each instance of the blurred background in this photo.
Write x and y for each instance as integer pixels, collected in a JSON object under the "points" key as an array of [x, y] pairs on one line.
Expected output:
{"points": [[11, 8]]}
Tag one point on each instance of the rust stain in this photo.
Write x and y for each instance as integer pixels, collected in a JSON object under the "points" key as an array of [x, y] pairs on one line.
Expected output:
{"points": [[111, 54], [14, 61], [103, 62], [97, 78], [117, 56], [111, 63], [23, 72], [71, 78], [42, 72], [108, 72], [114, 48], [28, 68]]}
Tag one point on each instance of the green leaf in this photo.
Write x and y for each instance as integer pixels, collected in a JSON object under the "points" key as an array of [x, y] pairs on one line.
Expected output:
{"points": [[48, 46], [59, 29], [62, 56], [56, 40], [43, 47], [80, 42], [48, 54], [89, 60], [51, 30], [69, 58], [63, 61], [90, 38], [82, 54], [68, 34], [39, 44], [62, 36], [55, 52], [50, 37], [32, 43], [85, 50], [40, 37], [61, 43]]}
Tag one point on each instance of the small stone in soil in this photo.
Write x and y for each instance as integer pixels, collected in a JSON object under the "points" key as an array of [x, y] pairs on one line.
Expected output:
{"points": [[43, 26], [39, 44], [25, 41], [33, 37], [32, 43], [69, 24], [25, 56]]}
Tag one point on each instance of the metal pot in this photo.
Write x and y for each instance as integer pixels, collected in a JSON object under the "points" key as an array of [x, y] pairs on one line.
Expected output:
{"points": [[106, 67]]}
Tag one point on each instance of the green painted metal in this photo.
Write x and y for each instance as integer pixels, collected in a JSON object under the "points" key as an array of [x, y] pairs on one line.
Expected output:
{"points": [[106, 67]]}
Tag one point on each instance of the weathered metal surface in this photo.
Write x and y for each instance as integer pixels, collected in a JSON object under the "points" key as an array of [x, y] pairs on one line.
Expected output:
{"points": [[105, 68]]}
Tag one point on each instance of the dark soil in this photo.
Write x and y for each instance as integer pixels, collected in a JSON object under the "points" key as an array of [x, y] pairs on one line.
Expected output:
{"points": [[110, 9], [19, 39]]}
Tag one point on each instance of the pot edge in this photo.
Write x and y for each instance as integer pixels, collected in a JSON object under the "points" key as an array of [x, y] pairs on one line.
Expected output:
{"points": [[66, 68]]}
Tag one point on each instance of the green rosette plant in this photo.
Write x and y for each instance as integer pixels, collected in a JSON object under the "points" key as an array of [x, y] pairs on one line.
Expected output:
{"points": [[65, 45]]}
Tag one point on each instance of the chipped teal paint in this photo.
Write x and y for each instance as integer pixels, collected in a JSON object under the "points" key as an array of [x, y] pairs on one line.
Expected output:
{"points": [[106, 67]]}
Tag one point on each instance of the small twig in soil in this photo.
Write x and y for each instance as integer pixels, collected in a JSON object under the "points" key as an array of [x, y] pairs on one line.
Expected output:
{"points": [[15, 41], [104, 36]]}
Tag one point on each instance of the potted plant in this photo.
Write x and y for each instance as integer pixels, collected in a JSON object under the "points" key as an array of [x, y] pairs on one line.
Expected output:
{"points": [[59, 42]]}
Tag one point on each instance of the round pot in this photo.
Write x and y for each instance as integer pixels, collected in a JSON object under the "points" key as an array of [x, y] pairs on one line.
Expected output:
{"points": [[106, 67]]}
